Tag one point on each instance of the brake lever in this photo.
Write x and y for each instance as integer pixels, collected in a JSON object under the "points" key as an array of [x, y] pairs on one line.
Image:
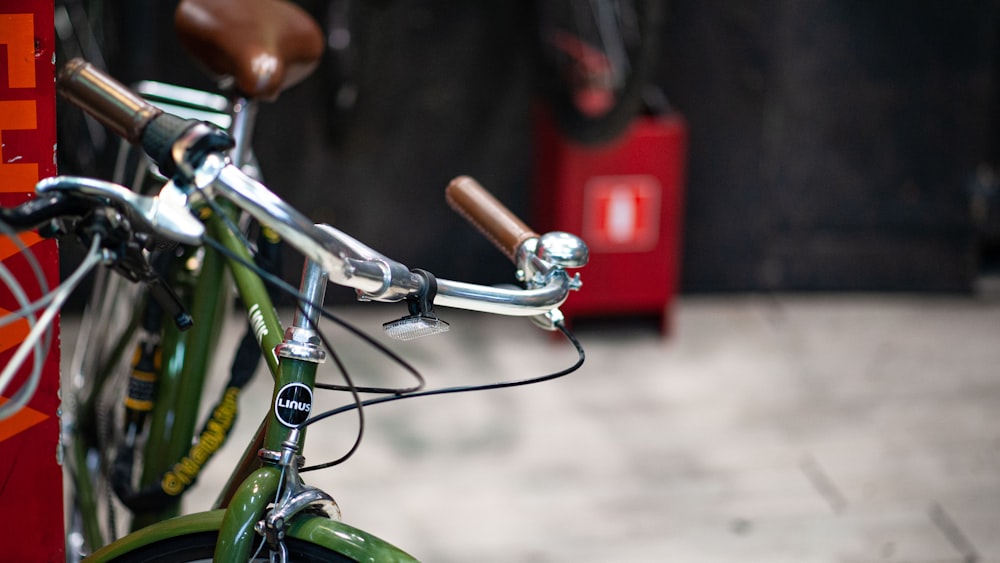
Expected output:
{"points": [[125, 254], [171, 303], [160, 216], [165, 217]]}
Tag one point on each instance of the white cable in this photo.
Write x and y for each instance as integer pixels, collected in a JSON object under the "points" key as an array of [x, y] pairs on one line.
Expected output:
{"points": [[15, 287], [59, 296], [29, 256], [14, 284], [26, 310]]}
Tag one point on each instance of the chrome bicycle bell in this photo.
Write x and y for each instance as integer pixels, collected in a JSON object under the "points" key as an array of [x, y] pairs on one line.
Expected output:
{"points": [[562, 249]]}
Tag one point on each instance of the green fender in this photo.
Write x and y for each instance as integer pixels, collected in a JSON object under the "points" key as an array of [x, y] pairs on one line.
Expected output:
{"points": [[335, 536]]}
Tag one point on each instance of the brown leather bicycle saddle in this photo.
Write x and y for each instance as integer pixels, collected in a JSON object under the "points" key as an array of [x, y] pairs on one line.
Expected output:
{"points": [[266, 46]]}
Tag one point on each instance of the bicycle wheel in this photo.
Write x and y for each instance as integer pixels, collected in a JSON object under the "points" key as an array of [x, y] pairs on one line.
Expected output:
{"points": [[594, 59], [92, 390], [200, 546]]}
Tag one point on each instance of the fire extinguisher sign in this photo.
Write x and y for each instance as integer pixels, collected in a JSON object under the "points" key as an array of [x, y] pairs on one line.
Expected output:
{"points": [[622, 213]]}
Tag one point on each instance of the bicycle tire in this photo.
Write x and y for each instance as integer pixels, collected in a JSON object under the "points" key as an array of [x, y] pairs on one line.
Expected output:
{"points": [[559, 93], [104, 327], [200, 546]]}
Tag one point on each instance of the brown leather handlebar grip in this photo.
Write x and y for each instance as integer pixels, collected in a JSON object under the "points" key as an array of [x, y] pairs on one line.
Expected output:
{"points": [[489, 216], [108, 100]]}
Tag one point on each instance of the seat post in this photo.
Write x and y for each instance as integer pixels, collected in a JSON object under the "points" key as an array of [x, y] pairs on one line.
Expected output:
{"points": [[244, 117]]}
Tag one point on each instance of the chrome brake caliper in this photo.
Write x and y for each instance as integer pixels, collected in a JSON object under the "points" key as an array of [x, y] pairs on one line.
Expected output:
{"points": [[294, 497]]}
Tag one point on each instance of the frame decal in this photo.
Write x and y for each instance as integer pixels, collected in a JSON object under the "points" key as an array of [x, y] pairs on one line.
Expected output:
{"points": [[292, 404]]}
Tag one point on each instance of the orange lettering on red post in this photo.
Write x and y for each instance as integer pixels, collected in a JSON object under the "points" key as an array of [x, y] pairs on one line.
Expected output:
{"points": [[16, 31], [17, 177]]}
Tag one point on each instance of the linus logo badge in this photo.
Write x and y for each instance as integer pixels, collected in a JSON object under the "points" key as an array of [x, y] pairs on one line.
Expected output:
{"points": [[292, 405]]}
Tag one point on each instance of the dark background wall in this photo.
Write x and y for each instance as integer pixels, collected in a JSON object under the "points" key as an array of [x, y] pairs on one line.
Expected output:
{"points": [[834, 144]]}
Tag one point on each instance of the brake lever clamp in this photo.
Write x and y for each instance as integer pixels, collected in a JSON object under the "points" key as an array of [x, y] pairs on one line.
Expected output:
{"points": [[422, 321]]}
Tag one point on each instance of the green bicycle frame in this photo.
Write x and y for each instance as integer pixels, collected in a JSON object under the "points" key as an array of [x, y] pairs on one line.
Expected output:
{"points": [[185, 365], [186, 359], [335, 536]]}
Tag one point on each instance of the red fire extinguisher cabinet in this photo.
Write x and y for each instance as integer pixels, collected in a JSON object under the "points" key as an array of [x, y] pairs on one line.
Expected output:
{"points": [[625, 199]]}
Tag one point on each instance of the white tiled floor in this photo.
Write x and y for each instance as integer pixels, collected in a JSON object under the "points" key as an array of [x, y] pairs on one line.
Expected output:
{"points": [[766, 428]]}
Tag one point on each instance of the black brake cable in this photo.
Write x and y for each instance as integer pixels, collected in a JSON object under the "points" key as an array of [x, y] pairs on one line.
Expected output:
{"points": [[300, 302], [394, 394], [581, 357], [452, 390]]}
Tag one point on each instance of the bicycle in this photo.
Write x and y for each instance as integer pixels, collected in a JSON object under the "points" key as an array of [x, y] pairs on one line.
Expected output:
{"points": [[266, 504], [595, 59], [591, 60], [100, 456]]}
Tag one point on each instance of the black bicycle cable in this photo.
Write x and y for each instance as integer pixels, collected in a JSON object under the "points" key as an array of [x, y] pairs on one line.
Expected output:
{"points": [[453, 390], [300, 301], [581, 357], [394, 395]]}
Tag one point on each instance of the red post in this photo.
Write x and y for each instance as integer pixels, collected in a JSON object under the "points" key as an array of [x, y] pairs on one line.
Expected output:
{"points": [[30, 473]]}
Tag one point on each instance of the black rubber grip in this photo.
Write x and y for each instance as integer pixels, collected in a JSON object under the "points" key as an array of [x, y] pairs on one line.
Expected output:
{"points": [[134, 118], [106, 99], [159, 137]]}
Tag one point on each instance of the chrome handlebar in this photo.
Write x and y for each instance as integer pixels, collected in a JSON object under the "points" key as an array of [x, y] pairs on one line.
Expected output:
{"points": [[347, 261], [350, 263], [194, 154]]}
